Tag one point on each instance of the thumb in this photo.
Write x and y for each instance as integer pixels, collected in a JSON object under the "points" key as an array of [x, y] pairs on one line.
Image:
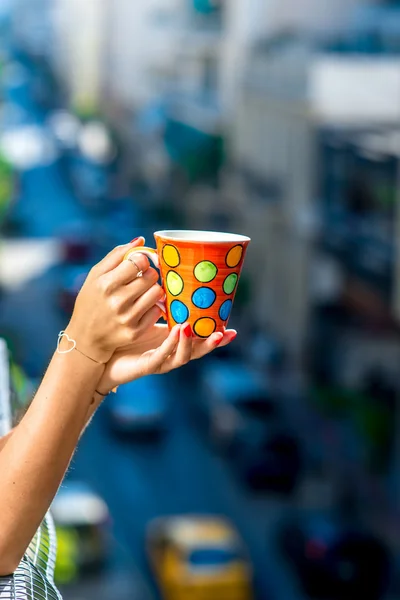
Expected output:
{"points": [[115, 257]]}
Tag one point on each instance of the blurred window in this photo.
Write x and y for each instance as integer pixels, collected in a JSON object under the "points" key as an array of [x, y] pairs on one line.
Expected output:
{"points": [[207, 6], [213, 557], [260, 408], [210, 82]]}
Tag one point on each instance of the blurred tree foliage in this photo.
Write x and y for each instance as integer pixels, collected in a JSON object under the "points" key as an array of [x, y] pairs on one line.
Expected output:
{"points": [[6, 187], [199, 154], [207, 6]]}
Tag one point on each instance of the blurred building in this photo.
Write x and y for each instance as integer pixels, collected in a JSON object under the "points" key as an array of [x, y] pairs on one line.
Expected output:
{"points": [[127, 53], [260, 86], [79, 50], [302, 84]]}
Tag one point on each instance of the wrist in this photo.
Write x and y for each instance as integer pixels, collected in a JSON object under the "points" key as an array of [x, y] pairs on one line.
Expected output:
{"points": [[87, 344], [104, 387], [107, 384], [99, 393], [79, 362]]}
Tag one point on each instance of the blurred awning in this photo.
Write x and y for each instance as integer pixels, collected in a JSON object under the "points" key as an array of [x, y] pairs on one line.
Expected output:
{"points": [[22, 260], [207, 6], [195, 147]]}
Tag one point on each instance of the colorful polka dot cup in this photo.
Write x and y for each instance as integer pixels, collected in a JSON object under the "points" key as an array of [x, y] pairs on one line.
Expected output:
{"points": [[200, 273]]}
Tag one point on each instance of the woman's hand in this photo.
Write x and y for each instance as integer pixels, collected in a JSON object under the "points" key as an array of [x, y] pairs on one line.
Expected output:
{"points": [[157, 352], [114, 306]]}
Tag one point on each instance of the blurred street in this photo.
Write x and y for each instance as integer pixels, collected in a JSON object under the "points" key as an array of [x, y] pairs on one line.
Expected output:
{"points": [[142, 481], [278, 120], [139, 481]]}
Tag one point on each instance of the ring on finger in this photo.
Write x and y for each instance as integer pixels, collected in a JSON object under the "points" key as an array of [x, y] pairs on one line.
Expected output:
{"points": [[139, 271]]}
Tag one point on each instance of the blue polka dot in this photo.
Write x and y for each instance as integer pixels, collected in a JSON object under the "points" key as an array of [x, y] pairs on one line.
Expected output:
{"points": [[179, 311], [225, 310], [204, 297]]}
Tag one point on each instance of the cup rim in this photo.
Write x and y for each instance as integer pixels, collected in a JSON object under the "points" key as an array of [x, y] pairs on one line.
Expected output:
{"points": [[201, 237]]}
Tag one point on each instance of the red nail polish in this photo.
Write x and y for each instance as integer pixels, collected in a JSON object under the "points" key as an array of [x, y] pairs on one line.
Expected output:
{"points": [[134, 240], [233, 335], [217, 342], [187, 330]]}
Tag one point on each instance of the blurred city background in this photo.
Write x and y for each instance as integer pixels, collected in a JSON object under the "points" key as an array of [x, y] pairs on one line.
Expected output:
{"points": [[270, 470]]}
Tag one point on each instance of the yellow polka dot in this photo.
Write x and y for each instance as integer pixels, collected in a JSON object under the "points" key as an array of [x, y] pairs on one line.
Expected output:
{"points": [[234, 256], [171, 256], [204, 327]]}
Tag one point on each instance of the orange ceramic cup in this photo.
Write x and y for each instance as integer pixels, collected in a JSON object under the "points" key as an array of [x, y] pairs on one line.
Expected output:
{"points": [[200, 271]]}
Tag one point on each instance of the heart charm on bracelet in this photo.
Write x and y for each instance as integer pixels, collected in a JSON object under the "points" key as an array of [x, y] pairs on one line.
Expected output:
{"points": [[70, 340]]}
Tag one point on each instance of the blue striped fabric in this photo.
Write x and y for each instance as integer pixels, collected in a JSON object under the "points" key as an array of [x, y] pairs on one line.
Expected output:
{"points": [[34, 578]]}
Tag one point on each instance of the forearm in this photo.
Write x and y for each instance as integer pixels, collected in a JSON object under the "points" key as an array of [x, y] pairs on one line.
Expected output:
{"points": [[5, 438], [34, 458], [94, 405]]}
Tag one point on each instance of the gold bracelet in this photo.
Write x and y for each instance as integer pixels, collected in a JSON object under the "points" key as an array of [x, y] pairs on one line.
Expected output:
{"points": [[73, 347]]}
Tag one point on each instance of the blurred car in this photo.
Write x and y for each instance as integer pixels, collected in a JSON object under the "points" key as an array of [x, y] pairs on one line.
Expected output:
{"points": [[76, 240], [14, 76], [199, 557], [75, 249], [243, 419], [82, 524], [119, 224], [28, 146], [139, 407], [72, 277], [223, 384], [91, 163], [12, 115], [334, 561], [77, 254], [65, 128], [89, 180]]}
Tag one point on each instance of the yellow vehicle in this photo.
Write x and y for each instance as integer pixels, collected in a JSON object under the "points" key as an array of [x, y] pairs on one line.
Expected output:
{"points": [[199, 558], [82, 519]]}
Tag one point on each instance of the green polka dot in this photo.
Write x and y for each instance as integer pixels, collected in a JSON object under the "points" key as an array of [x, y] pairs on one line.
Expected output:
{"points": [[230, 283], [205, 271], [174, 283]]}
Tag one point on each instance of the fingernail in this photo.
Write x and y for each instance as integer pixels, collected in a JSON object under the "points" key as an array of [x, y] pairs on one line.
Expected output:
{"points": [[219, 340], [187, 330], [233, 335], [140, 237]]}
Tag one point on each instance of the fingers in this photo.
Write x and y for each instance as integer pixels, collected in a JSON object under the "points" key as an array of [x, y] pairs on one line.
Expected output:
{"points": [[216, 340], [136, 288], [149, 319], [228, 337], [203, 347], [190, 348], [146, 300], [184, 349], [114, 258], [127, 270], [183, 352], [165, 351]]}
